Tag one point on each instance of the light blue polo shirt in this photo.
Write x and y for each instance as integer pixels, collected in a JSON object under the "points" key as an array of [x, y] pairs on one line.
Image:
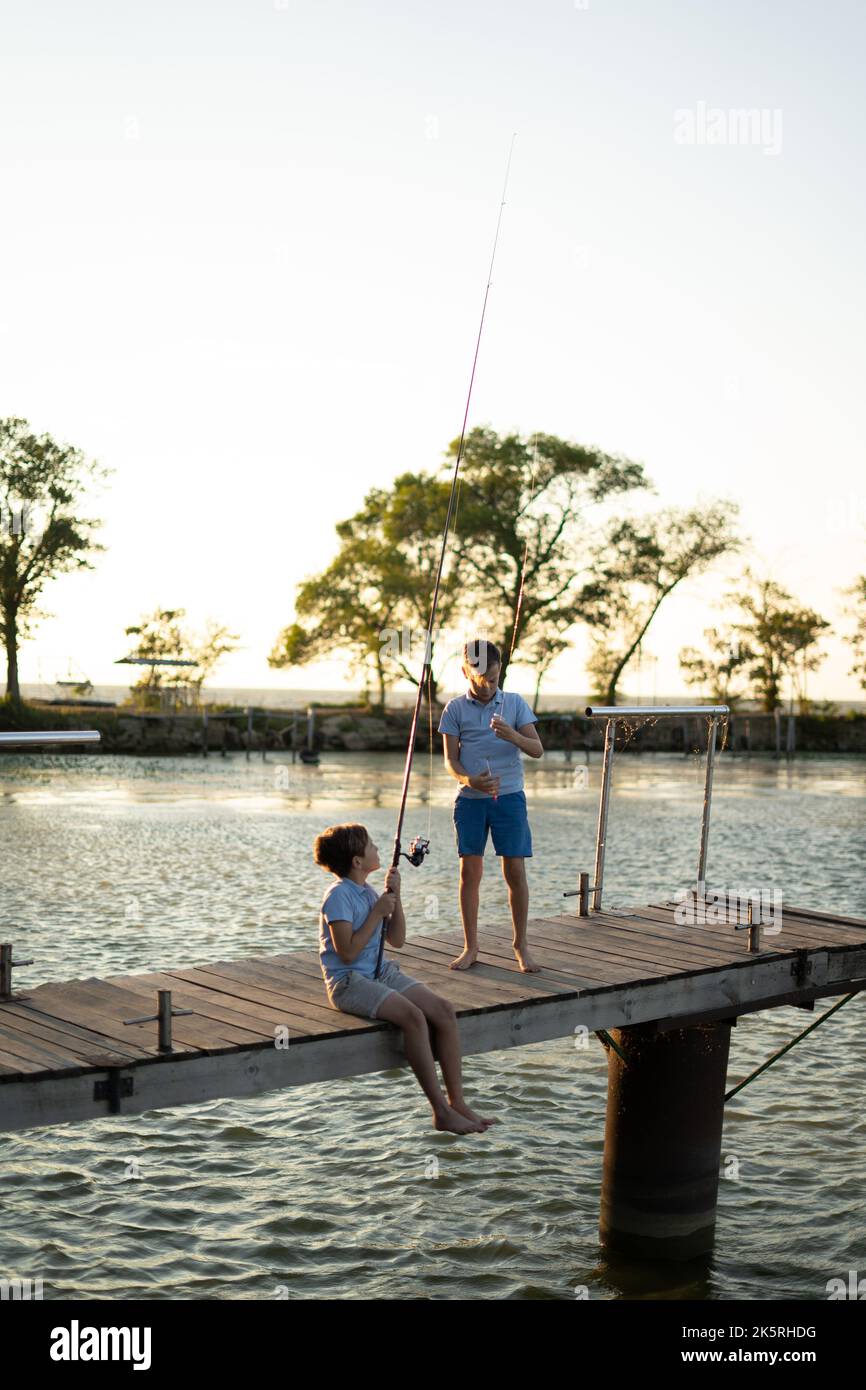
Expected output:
{"points": [[469, 719], [347, 901]]}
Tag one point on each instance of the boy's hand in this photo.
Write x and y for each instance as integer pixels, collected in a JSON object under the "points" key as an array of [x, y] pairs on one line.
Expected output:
{"points": [[392, 882], [386, 904], [484, 782], [501, 729]]}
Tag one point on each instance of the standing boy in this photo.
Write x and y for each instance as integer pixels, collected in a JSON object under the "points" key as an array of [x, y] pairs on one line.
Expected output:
{"points": [[485, 732]]}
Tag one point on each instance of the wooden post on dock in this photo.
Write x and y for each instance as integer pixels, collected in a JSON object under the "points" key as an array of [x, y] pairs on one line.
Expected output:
{"points": [[583, 896], [663, 1139]]}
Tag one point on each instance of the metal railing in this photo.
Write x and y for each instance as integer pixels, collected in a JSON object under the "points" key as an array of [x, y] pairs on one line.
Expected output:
{"points": [[17, 739], [612, 714]]}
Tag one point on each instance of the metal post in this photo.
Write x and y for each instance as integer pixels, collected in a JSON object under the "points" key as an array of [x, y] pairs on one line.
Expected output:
{"points": [[311, 728], [6, 964], [583, 896], [603, 804], [791, 737], [663, 1140], [163, 1017], [755, 927], [249, 730], [708, 799]]}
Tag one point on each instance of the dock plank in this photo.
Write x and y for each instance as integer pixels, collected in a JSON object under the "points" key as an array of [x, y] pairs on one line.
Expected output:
{"points": [[796, 934], [635, 944], [24, 1010], [206, 1002]]}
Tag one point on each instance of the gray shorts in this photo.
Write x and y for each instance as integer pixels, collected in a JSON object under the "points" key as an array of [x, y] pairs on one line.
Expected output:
{"points": [[360, 994]]}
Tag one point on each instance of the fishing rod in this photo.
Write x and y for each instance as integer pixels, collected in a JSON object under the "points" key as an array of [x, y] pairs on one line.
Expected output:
{"points": [[419, 848]]}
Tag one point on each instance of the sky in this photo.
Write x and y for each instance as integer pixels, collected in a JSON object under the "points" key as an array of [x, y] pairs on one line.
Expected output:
{"points": [[244, 246]]}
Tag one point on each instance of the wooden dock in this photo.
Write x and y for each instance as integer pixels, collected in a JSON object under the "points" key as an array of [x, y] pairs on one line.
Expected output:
{"points": [[66, 1053], [661, 996]]}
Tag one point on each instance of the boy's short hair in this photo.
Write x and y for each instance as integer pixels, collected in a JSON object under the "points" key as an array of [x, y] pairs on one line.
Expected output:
{"points": [[337, 846], [481, 654]]}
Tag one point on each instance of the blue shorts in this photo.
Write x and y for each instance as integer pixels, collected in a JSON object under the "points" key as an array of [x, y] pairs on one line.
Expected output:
{"points": [[504, 816]]}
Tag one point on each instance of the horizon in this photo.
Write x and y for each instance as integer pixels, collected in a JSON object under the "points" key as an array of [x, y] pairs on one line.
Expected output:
{"points": [[295, 697]]}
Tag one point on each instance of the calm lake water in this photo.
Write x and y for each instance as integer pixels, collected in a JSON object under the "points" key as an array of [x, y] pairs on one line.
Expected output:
{"points": [[115, 865]]}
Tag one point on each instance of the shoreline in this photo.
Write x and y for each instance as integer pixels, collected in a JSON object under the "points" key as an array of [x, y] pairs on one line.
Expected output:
{"points": [[347, 730]]}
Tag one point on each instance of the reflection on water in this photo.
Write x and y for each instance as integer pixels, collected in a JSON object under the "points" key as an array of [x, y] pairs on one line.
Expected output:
{"points": [[342, 1190]]}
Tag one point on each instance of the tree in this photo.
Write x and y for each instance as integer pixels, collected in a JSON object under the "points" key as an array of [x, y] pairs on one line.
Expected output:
{"points": [[517, 497], [532, 499], [208, 649], [857, 639], [345, 608], [780, 639], [540, 650], [162, 637], [636, 565], [373, 600], [42, 534], [773, 638], [716, 668]]}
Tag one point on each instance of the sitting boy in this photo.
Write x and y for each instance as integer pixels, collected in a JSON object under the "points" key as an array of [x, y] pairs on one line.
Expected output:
{"points": [[350, 926]]}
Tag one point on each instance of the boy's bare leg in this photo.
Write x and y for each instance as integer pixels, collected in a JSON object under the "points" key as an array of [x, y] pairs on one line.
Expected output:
{"points": [[419, 1054], [514, 873], [471, 869], [441, 1014]]}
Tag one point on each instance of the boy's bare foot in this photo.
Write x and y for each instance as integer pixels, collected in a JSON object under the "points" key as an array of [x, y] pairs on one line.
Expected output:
{"points": [[525, 961], [463, 1109], [467, 957], [451, 1122]]}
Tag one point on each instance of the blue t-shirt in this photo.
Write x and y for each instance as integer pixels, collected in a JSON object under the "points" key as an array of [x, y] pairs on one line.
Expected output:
{"points": [[469, 719], [347, 901]]}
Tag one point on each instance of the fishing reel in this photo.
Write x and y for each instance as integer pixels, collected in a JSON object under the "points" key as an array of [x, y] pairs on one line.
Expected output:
{"points": [[419, 848]]}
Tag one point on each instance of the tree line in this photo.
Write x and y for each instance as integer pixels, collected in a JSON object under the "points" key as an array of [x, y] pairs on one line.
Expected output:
{"points": [[545, 541]]}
